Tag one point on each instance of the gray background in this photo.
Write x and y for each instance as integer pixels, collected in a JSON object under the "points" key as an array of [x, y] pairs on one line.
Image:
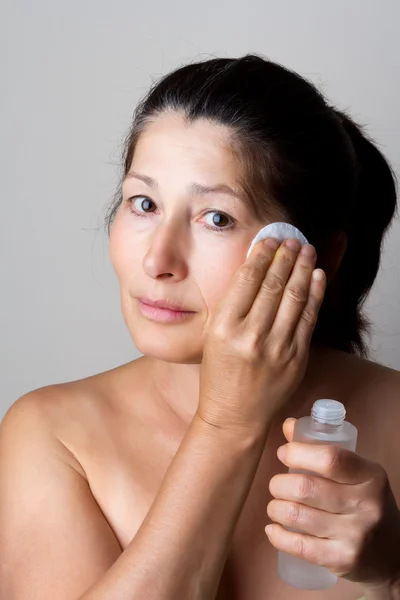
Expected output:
{"points": [[72, 72]]}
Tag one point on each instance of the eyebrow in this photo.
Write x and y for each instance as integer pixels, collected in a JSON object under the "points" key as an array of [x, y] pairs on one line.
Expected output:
{"points": [[195, 188]]}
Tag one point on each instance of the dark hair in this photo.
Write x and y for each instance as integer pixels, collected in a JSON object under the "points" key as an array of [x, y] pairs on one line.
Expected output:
{"points": [[300, 153]]}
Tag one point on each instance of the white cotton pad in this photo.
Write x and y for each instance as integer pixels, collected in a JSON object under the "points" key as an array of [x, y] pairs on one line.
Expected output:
{"points": [[279, 231]]}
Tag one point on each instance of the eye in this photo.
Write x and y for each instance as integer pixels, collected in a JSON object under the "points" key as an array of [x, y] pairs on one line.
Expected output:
{"points": [[142, 204], [218, 220]]}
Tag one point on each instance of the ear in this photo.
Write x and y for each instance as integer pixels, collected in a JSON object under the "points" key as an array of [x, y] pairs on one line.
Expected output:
{"points": [[331, 259]]}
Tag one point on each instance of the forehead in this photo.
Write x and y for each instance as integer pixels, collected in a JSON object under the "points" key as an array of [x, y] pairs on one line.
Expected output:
{"points": [[170, 138]]}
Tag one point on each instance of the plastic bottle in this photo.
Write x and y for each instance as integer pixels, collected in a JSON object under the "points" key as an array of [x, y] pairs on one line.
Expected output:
{"points": [[326, 425]]}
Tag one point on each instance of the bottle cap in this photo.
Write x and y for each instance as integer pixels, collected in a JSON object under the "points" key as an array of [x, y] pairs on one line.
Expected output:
{"points": [[328, 411]]}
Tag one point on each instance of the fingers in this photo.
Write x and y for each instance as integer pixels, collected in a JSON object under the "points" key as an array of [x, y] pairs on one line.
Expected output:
{"points": [[316, 550], [295, 296], [316, 492], [307, 519], [248, 279], [275, 289], [288, 428], [269, 297], [309, 316], [332, 462]]}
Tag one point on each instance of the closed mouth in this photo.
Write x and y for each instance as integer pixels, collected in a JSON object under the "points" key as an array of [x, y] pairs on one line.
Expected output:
{"points": [[164, 304]]}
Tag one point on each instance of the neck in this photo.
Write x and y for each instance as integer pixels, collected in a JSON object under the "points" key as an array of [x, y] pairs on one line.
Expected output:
{"points": [[177, 385]]}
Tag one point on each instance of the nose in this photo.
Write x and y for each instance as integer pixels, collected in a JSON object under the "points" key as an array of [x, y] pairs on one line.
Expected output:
{"points": [[166, 258]]}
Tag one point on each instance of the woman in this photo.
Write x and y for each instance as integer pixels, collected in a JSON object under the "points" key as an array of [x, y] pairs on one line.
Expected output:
{"points": [[157, 479]]}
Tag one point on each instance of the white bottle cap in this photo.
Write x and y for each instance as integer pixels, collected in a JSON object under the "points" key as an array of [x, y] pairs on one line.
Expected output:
{"points": [[327, 411]]}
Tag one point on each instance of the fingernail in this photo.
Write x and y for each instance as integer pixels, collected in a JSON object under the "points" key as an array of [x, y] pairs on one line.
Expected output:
{"points": [[318, 275], [293, 245], [281, 452], [290, 419], [308, 250], [268, 529], [271, 243]]}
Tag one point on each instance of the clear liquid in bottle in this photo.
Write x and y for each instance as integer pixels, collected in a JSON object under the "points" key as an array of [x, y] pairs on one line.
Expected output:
{"points": [[326, 425]]}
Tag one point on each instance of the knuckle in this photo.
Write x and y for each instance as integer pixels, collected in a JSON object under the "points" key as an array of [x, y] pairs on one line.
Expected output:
{"points": [[368, 513], [275, 349], [280, 354], [274, 284], [305, 268], [378, 491], [355, 505], [300, 548], [334, 562], [305, 488], [248, 348], [293, 513], [221, 331], [251, 272], [287, 256], [333, 458], [380, 479], [373, 512], [296, 294], [349, 557], [309, 316]]}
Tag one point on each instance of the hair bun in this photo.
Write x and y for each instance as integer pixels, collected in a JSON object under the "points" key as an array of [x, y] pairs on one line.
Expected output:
{"points": [[376, 182]]}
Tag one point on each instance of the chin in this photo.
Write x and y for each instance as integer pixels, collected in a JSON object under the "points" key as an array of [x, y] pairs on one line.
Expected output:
{"points": [[168, 348], [181, 343]]}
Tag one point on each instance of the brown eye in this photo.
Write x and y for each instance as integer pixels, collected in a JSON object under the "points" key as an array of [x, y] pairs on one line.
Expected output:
{"points": [[218, 220], [143, 204]]}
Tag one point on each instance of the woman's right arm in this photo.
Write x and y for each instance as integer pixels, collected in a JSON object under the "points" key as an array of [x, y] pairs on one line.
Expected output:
{"points": [[180, 549], [63, 548], [56, 543]]}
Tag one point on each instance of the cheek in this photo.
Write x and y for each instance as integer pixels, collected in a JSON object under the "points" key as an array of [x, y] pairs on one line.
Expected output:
{"points": [[214, 272], [122, 247]]}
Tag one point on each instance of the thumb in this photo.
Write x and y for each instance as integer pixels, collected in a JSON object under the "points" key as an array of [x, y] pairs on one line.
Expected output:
{"points": [[288, 428]]}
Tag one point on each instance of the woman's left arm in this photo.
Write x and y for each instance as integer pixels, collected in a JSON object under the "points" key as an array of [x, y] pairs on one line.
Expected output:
{"points": [[349, 516]]}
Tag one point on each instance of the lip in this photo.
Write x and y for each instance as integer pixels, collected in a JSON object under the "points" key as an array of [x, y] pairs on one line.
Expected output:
{"points": [[164, 312], [163, 304]]}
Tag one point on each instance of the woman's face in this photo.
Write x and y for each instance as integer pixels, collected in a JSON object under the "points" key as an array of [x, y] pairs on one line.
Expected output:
{"points": [[177, 240]]}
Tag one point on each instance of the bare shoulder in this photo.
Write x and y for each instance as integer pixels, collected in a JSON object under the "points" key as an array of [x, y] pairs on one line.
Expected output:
{"points": [[375, 410], [28, 421], [75, 413], [46, 499], [377, 388]]}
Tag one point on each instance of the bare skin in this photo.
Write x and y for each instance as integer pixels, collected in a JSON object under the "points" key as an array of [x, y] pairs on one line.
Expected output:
{"points": [[123, 443], [104, 444]]}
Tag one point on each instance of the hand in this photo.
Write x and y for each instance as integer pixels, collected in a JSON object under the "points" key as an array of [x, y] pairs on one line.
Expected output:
{"points": [[349, 518], [257, 345]]}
